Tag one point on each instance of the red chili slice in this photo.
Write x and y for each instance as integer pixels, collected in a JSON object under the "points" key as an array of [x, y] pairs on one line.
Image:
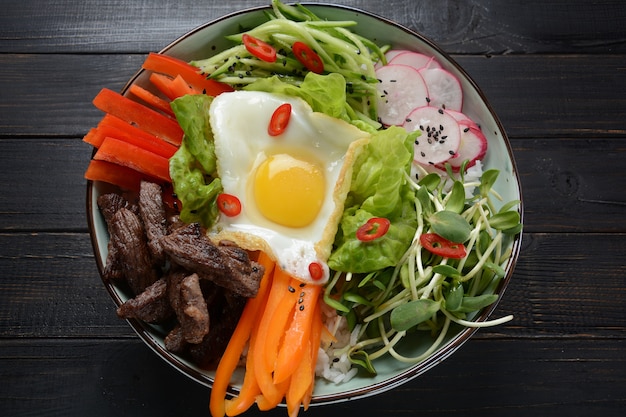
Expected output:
{"points": [[308, 57], [259, 49], [440, 246], [316, 270], [373, 229], [279, 120], [228, 204]]}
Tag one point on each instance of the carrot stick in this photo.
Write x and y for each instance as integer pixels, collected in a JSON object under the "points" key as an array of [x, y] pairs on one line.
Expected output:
{"points": [[234, 349], [263, 366], [145, 118], [250, 387], [317, 329], [168, 65], [123, 177], [299, 331], [151, 99], [131, 156], [301, 380]]}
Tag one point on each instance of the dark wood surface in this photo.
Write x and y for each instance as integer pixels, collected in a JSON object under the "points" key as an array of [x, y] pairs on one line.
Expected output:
{"points": [[555, 72]]}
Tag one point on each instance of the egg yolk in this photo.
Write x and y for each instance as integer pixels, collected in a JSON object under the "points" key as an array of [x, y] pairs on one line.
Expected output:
{"points": [[289, 190]]}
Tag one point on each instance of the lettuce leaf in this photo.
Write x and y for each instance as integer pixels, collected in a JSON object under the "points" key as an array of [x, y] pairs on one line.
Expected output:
{"points": [[324, 93], [379, 189], [193, 167]]}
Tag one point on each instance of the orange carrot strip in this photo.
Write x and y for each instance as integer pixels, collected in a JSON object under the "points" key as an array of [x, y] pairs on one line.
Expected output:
{"points": [[266, 403], [299, 332], [317, 330], [124, 177], [301, 380], [151, 99], [171, 66], [241, 335], [250, 387], [263, 367], [145, 118], [131, 156]]}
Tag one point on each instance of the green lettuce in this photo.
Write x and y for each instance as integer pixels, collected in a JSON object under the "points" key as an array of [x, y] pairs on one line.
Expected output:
{"points": [[324, 93], [193, 168], [379, 189]]}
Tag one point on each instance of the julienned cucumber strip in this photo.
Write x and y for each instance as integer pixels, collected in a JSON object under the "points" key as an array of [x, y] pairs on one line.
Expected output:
{"points": [[341, 51]]}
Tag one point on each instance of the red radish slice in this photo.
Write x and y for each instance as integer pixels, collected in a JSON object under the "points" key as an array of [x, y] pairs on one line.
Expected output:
{"points": [[389, 55], [415, 60], [401, 89], [444, 89], [473, 147], [462, 118], [440, 138]]}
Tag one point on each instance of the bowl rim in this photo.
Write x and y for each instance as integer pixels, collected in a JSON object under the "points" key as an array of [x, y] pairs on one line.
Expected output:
{"points": [[143, 330]]}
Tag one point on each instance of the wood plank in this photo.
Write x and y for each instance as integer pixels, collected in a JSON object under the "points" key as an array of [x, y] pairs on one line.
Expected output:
{"points": [[550, 294], [558, 196], [57, 90], [123, 377], [459, 26]]}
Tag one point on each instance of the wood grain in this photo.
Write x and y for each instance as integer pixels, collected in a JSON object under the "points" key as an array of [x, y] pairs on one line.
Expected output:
{"points": [[459, 26], [123, 377]]}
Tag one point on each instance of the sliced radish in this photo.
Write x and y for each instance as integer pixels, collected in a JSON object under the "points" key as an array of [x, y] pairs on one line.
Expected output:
{"points": [[389, 55], [462, 118], [440, 138], [415, 60], [401, 89], [444, 89], [473, 147]]}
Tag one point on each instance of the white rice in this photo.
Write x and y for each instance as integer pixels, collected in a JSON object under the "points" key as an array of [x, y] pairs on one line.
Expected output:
{"points": [[332, 359]]}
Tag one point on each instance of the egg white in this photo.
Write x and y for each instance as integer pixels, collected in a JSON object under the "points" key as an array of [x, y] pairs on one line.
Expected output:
{"points": [[239, 122]]}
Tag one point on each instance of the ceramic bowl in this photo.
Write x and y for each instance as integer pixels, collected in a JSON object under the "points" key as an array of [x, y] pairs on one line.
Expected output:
{"points": [[209, 38]]}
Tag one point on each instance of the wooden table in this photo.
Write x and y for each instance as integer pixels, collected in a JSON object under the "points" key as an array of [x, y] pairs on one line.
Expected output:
{"points": [[555, 72]]}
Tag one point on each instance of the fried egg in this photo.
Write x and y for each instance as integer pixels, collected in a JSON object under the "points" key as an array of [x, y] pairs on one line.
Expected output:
{"points": [[292, 186]]}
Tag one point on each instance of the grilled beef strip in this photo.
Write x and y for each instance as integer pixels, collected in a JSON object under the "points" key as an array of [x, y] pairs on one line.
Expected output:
{"points": [[227, 266], [194, 315], [153, 216], [224, 313], [131, 247], [151, 306]]}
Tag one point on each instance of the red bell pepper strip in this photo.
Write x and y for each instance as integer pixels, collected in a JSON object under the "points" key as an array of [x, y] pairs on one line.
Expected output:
{"points": [[229, 204], [373, 229], [279, 120], [308, 57], [134, 157], [172, 87], [168, 65], [440, 246], [143, 117], [111, 173], [96, 136], [151, 99], [119, 129], [259, 49]]}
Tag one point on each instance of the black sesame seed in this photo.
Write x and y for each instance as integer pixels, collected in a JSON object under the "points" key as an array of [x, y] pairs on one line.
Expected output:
{"points": [[301, 308], [408, 120], [423, 154], [440, 111], [466, 130], [451, 152], [291, 289]]}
